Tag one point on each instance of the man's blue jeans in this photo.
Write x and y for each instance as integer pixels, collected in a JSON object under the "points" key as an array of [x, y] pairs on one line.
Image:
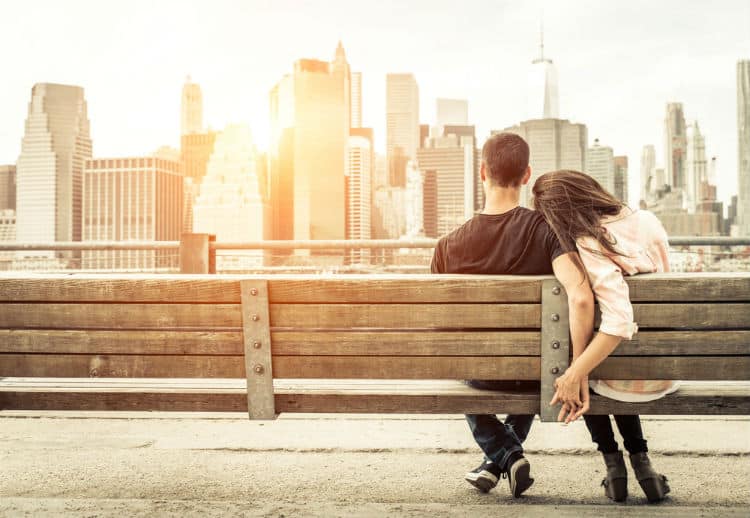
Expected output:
{"points": [[498, 440]]}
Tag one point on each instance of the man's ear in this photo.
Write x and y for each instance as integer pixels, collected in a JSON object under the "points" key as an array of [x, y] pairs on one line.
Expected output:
{"points": [[483, 171], [526, 176]]}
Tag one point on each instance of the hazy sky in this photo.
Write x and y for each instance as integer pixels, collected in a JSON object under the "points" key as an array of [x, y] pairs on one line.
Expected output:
{"points": [[619, 63]]}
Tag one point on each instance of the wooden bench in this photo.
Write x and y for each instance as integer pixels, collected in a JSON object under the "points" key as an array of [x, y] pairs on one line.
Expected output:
{"points": [[353, 344]]}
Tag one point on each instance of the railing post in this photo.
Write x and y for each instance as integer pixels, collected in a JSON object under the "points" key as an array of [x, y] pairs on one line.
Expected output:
{"points": [[196, 255], [256, 327], [555, 346]]}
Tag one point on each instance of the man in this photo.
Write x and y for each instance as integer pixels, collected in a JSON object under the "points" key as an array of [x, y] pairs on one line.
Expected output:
{"points": [[506, 238]]}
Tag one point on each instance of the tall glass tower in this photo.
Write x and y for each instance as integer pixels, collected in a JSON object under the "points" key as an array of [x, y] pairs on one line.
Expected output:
{"points": [[543, 97], [49, 172], [191, 120]]}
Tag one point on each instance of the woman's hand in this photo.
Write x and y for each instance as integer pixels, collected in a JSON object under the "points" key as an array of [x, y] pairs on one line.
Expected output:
{"points": [[571, 389], [569, 412]]}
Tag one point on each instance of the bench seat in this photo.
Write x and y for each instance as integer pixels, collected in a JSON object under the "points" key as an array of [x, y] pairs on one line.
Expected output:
{"points": [[340, 396]]}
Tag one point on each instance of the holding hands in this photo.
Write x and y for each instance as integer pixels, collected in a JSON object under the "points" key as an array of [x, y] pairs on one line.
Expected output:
{"points": [[572, 390]]}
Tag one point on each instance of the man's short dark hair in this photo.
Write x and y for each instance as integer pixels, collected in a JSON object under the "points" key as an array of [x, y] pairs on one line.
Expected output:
{"points": [[506, 157]]}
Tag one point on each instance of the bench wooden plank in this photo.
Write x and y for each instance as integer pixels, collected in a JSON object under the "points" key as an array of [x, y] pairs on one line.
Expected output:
{"points": [[405, 367], [31, 287], [686, 343], [408, 289], [215, 316], [119, 288], [121, 366], [335, 343], [368, 397], [372, 289], [674, 367], [692, 398], [406, 343], [692, 316], [444, 316], [61, 341], [359, 343], [690, 287], [447, 397], [119, 316], [375, 367]]}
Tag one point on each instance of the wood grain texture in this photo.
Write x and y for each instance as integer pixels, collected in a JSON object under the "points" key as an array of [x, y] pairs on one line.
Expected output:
{"points": [[692, 316], [406, 343], [686, 343], [120, 366], [62, 341], [352, 397], [674, 367], [123, 288], [394, 316], [288, 343], [31, 287], [690, 287], [217, 316], [374, 367], [372, 289], [119, 316], [408, 289], [405, 367]]}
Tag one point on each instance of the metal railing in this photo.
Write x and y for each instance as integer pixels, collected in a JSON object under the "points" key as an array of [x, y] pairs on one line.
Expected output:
{"points": [[197, 253], [330, 244]]}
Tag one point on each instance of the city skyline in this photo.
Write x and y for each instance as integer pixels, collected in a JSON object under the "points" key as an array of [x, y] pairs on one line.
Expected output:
{"points": [[621, 98]]}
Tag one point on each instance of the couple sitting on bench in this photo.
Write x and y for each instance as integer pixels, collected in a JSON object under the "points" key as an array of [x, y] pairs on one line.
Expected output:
{"points": [[589, 240]]}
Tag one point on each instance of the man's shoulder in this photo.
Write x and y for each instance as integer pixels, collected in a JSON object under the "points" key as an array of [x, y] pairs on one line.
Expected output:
{"points": [[526, 220], [461, 232]]}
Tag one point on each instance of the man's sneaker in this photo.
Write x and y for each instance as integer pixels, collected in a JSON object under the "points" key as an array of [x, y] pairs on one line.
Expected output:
{"points": [[518, 475], [484, 477]]}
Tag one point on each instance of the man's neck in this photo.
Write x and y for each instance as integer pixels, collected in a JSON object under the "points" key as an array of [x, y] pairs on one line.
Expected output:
{"points": [[500, 200]]}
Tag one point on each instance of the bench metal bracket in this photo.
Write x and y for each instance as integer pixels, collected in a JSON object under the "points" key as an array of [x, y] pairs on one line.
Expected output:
{"points": [[256, 327], [555, 346]]}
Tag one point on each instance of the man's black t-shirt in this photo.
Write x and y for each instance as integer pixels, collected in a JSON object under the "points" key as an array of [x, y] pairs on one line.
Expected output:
{"points": [[517, 242]]}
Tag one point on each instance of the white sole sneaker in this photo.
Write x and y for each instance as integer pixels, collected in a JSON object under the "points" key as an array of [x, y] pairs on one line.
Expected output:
{"points": [[482, 480]]}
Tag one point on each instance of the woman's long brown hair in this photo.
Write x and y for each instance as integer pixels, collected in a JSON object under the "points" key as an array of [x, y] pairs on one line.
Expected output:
{"points": [[573, 203]]}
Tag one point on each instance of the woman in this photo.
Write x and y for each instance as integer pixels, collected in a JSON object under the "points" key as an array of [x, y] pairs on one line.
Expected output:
{"points": [[612, 241]]}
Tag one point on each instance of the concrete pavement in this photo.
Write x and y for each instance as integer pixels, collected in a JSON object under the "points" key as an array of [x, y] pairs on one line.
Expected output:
{"points": [[155, 464]]}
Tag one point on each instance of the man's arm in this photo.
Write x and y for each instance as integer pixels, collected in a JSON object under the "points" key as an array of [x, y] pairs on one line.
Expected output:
{"points": [[581, 317], [436, 265]]}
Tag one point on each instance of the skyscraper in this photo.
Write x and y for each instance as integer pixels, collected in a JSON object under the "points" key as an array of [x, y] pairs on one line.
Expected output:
{"points": [[600, 164], [470, 132], [132, 198], [196, 149], [229, 204], [648, 180], [402, 125], [358, 193], [49, 171], [554, 144], [452, 112], [8, 187], [621, 178], [743, 146], [356, 94], [696, 166], [191, 120], [452, 159], [414, 200], [309, 134], [543, 100], [675, 146]]}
